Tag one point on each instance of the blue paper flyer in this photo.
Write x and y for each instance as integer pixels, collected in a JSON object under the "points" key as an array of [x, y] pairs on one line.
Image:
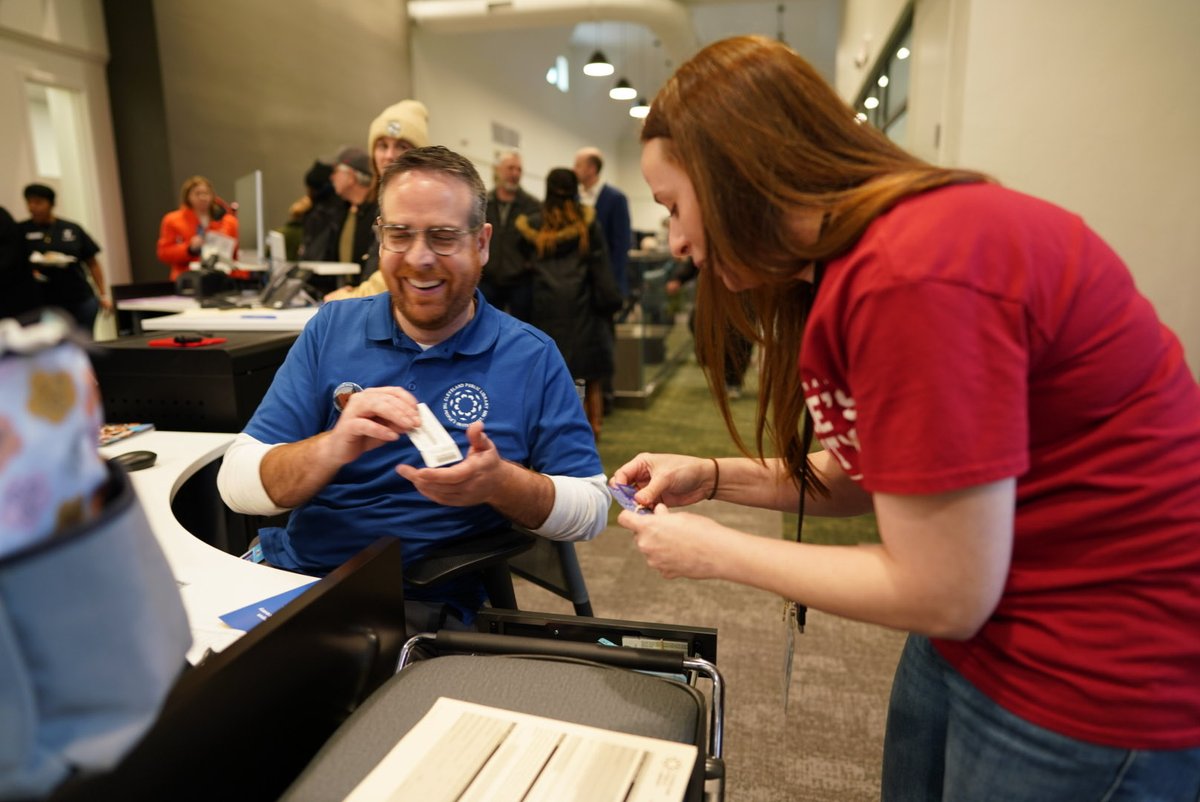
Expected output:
{"points": [[250, 616]]}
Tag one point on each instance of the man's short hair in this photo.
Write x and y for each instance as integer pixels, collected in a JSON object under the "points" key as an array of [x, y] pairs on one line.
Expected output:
{"points": [[503, 155], [594, 156], [439, 159], [40, 191]]}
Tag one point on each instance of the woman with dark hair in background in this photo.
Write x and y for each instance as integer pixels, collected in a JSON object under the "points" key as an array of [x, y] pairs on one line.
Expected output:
{"points": [[574, 294], [181, 234], [986, 379]]}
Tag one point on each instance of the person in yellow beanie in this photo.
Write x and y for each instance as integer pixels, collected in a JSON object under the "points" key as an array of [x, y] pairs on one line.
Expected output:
{"points": [[398, 128]]}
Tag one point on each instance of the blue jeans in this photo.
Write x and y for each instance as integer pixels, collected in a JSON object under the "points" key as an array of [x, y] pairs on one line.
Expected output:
{"points": [[946, 740]]}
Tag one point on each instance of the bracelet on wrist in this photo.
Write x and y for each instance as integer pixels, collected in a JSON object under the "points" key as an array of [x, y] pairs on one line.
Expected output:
{"points": [[716, 478]]}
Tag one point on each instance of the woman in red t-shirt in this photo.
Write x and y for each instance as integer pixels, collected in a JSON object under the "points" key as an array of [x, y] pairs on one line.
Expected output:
{"points": [[983, 376], [181, 234]]}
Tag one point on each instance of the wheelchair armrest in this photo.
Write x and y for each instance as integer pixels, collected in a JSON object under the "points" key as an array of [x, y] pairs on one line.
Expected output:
{"points": [[467, 556]]}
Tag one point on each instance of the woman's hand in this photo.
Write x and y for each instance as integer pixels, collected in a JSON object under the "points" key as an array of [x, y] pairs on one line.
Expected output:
{"points": [[672, 479], [680, 544]]}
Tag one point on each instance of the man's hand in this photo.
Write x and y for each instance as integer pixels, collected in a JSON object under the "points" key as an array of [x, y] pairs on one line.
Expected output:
{"points": [[294, 473], [523, 496], [371, 418], [477, 479]]}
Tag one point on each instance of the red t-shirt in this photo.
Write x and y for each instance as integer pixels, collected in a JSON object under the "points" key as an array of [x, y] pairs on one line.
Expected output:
{"points": [[976, 334]]}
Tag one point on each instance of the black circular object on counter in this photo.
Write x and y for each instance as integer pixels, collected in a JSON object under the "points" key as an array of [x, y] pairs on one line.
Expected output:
{"points": [[135, 460]]}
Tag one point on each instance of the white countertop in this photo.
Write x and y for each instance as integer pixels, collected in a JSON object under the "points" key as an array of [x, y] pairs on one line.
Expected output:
{"points": [[211, 581], [233, 319]]}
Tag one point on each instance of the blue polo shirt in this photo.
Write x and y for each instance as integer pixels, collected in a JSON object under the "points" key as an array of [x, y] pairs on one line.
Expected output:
{"points": [[495, 369]]}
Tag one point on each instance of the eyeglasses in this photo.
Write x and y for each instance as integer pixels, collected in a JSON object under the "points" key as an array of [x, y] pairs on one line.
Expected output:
{"points": [[442, 241]]}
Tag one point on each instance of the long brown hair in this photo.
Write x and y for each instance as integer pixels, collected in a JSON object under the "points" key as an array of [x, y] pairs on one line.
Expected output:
{"points": [[563, 219], [766, 144]]}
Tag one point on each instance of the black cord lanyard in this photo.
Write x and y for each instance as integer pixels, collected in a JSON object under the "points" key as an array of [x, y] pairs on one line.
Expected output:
{"points": [[807, 438]]}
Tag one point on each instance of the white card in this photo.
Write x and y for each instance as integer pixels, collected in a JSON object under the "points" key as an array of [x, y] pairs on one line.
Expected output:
{"points": [[436, 445]]}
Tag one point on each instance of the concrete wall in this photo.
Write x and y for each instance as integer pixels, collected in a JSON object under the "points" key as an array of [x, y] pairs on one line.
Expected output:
{"points": [[246, 86]]}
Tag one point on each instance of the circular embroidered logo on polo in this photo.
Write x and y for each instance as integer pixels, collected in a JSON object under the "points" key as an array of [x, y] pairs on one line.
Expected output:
{"points": [[464, 404], [341, 395]]}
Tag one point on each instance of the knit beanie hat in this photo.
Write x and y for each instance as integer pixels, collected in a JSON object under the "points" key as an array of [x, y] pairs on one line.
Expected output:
{"points": [[408, 119]]}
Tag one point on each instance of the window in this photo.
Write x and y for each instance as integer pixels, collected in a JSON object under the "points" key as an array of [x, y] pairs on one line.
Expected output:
{"points": [[883, 100]]}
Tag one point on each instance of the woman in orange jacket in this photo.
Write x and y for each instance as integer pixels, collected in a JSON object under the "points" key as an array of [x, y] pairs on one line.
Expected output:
{"points": [[181, 234]]}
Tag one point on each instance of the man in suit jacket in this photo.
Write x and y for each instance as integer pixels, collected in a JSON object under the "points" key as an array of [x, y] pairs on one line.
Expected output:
{"points": [[612, 211]]}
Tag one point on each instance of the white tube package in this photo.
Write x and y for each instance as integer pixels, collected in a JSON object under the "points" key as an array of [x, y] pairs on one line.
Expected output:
{"points": [[433, 441]]}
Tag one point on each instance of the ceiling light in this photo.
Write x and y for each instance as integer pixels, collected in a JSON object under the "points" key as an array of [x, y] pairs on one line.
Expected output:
{"points": [[598, 66], [883, 80], [903, 53], [622, 91], [640, 109], [871, 102]]}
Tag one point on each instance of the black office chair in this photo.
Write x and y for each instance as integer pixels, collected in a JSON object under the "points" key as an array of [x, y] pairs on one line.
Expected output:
{"points": [[550, 564]]}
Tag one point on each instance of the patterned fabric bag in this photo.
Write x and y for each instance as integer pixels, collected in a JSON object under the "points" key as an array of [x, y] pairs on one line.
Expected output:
{"points": [[92, 628]]}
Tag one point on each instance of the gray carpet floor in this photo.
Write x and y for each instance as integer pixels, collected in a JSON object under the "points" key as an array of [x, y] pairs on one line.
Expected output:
{"points": [[827, 744]]}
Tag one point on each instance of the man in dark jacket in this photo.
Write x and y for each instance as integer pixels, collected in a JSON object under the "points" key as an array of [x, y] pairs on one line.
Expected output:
{"points": [[507, 282], [19, 292], [61, 250]]}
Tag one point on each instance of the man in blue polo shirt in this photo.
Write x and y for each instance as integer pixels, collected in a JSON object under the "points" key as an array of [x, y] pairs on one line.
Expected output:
{"points": [[330, 440]]}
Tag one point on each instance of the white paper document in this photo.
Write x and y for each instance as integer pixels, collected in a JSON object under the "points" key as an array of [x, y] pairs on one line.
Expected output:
{"points": [[464, 752]]}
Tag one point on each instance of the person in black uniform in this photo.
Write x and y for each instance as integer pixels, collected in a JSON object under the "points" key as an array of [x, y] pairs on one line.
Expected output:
{"points": [[19, 291], [59, 250]]}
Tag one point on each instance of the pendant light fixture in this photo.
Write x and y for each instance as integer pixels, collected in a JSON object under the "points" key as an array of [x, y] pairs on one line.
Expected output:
{"points": [[623, 90], [640, 109], [598, 66]]}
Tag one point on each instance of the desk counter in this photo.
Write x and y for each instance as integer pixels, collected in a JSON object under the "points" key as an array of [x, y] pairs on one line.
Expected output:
{"points": [[211, 582]]}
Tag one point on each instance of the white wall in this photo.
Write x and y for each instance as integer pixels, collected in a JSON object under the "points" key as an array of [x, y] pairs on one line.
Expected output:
{"points": [[61, 43], [273, 86], [470, 79], [1090, 104]]}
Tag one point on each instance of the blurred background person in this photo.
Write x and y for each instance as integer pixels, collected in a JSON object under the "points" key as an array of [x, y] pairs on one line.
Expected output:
{"points": [[574, 295], [612, 213], [398, 129], [19, 290], [737, 355], [181, 233], [313, 214], [354, 183], [59, 250], [507, 282]]}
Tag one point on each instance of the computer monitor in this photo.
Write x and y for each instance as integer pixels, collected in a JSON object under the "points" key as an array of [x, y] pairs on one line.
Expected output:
{"points": [[248, 194], [277, 252]]}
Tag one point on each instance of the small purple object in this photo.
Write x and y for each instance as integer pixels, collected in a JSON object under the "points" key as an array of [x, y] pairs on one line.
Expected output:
{"points": [[624, 496]]}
